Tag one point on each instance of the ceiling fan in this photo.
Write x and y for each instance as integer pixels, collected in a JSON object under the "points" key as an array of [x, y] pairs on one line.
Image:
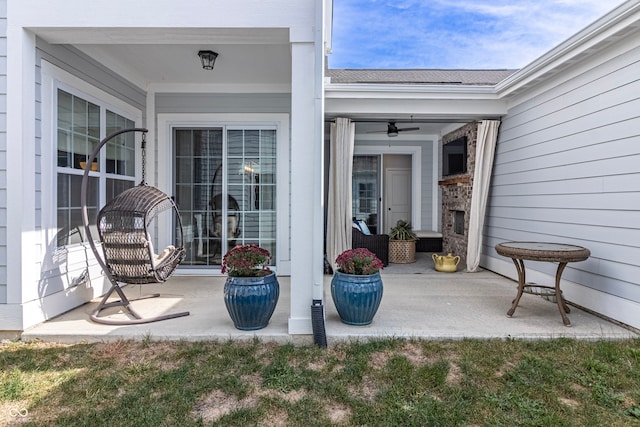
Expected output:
{"points": [[393, 130]]}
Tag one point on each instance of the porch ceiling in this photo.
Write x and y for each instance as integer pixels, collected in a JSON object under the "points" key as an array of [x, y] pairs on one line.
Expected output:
{"points": [[260, 58], [170, 63]]}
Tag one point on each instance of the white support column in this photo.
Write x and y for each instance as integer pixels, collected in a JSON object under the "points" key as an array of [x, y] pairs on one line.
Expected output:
{"points": [[306, 186], [22, 276]]}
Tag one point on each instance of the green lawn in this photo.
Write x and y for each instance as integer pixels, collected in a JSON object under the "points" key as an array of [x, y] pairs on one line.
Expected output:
{"points": [[388, 382]]}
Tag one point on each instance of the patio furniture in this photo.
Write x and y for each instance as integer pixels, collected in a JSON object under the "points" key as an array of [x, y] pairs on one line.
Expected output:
{"points": [[376, 243], [428, 241], [545, 252], [127, 249]]}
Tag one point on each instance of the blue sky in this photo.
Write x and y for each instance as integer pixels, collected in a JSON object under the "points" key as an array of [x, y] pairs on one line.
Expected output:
{"points": [[475, 34]]}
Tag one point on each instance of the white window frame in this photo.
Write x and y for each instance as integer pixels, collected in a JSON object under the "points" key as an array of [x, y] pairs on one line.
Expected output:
{"points": [[54, 78]]}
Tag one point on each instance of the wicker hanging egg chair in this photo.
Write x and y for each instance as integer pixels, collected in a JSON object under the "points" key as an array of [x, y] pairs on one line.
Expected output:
{"points": [[128, 255]]}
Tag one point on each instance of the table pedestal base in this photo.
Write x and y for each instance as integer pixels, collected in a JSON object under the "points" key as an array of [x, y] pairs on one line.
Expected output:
{"points": [[523, 287]]}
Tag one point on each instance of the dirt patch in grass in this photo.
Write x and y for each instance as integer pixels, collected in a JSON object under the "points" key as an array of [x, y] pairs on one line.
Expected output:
{"points": [[217, 404], [569, 402], [413, 351], [126, 353], [366, 390], [338, 413], [378, 360], [454, 376]]}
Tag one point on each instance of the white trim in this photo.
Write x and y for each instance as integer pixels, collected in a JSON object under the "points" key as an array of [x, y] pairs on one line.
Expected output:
{"points": [[166, 123], [415, 152], [435, 176], [22, 272]]}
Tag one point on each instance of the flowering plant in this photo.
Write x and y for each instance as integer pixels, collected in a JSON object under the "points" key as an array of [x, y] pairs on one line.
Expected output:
{"points": [[359, 261], [247, 261]]}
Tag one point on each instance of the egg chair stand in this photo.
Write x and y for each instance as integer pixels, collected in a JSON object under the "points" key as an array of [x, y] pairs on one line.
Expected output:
{"points": [[127, 250]]}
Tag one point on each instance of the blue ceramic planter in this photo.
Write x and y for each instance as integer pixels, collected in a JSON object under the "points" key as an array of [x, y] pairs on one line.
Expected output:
{"points": [[356, 298], [251, 301]]}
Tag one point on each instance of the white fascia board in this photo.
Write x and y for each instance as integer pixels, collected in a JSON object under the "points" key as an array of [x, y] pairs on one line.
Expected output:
{"points": [[595, 36], [163, 14]]}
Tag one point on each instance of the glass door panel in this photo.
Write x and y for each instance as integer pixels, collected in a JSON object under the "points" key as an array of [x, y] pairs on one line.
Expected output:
{"points": [[366, 190], [251, 182], [198, 164]]}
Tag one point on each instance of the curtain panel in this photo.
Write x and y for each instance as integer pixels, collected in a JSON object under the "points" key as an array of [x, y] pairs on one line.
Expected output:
{"points": [[485, 149], [339, 191]]}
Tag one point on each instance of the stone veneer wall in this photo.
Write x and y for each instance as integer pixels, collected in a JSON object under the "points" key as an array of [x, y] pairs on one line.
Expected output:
{"points": [[456, 195]]}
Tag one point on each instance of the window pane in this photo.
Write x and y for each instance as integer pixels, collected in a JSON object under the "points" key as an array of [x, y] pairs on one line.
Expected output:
{"points": [[65, 149], [121, 149], [117, 186], [78, 131], [65, 109], [70, 225]]}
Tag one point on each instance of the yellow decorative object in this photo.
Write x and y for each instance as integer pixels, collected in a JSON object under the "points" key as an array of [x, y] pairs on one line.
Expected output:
{"points": [[94, 166], [447, 264]]}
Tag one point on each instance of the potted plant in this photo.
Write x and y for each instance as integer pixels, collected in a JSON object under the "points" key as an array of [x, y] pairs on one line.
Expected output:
{"points": [[251, 290], [402, 243], [356, 287]]}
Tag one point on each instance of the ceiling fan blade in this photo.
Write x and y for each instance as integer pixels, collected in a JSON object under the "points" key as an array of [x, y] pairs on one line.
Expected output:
{"points": [[407, 129]]}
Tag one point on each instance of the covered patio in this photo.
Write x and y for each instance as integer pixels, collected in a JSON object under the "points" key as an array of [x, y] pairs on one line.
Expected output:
{"points": [[418, 303]]}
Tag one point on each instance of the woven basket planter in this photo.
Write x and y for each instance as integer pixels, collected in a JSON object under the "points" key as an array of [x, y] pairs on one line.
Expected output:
{"points": [[402, 251]]}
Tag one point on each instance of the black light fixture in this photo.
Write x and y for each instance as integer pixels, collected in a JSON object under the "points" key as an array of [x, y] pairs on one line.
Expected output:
{"points": [[208, 58]]}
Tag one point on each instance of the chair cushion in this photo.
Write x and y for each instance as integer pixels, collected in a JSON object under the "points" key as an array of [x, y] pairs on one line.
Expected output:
{"points": [[362, 226]]}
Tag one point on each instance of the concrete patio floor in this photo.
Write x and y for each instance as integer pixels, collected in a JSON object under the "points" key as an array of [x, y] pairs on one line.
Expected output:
{"points": [[418, 302]]}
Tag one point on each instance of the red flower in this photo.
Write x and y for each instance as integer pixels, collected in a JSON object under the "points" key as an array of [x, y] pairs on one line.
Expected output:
{"points": [[247, 261], [359, 261]]}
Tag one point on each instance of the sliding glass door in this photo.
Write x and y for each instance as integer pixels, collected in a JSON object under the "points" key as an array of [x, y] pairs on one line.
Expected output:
{"points": [[225, 186]]}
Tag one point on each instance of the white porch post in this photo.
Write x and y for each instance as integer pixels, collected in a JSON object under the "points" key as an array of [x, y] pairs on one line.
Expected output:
{"points": [[306, 187], [22, 256]]}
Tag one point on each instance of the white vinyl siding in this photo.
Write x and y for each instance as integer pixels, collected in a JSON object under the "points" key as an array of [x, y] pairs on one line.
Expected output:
{"points": [[567, 169]]}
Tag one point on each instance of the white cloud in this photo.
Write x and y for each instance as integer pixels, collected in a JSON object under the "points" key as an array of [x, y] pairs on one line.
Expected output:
{"points": [[455, 33]]}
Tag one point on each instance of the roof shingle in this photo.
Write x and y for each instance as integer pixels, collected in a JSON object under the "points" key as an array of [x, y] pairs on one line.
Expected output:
{"points": [[419, 76]]}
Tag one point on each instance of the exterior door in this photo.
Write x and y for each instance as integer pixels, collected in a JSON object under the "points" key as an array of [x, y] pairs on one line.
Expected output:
{"points": [[397, 196], [225, 187]]}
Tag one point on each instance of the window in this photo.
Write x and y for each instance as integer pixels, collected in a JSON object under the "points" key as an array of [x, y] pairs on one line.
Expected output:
{"points": [[365, 184], [81, 125]]}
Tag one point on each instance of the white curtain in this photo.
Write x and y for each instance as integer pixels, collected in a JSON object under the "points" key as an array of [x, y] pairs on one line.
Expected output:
{"points": [[485, 149], [339, 191]]}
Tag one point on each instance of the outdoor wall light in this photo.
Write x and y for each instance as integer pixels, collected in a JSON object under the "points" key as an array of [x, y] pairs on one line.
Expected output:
{"points": [[208, 59]]}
